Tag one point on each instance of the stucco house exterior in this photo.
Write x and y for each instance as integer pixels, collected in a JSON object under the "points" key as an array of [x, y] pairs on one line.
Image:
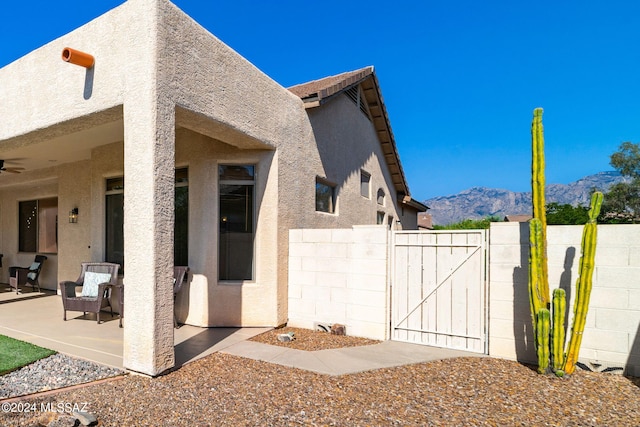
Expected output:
{"points": [[174, 150]]}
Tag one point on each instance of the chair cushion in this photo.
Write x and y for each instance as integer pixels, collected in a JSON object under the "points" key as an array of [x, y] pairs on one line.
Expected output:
{"points": [[91, 282], [33, 268]]}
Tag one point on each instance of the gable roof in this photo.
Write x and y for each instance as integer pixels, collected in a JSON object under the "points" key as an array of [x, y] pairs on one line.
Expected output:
{"points": [[318, 92]]}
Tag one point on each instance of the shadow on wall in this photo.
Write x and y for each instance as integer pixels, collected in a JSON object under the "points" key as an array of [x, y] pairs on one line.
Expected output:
{"points": [[88, 83], [522, 327], [565, 283], [522, 322], [632, 368]]}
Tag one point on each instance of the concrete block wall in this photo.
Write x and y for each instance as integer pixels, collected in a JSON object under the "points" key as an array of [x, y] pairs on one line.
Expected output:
{"points": [[612, 333], [340, 276]]}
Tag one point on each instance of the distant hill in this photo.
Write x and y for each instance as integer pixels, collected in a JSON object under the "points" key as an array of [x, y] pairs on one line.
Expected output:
{"points": [[480, 202]]}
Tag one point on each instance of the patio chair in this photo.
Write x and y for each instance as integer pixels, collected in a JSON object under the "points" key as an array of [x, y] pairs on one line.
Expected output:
{"points": [[179, 277], [96, 280], [20, 276]]}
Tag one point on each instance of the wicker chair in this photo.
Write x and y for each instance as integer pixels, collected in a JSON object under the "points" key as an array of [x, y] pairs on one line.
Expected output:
{"points": [[179, 276], [20, 276], [96, 279]]}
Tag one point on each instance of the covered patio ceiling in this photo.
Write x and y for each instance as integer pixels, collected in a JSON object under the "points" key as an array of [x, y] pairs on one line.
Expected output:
{"points": [[73, 140], [66, 142]]}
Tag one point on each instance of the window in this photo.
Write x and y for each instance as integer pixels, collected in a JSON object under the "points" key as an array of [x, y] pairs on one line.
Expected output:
{"points": [[38, 225], [236, 192], [114, 202], [325, 196], [114, 236], [380, 218], [181, 224], [365, 184], [380, 197]]}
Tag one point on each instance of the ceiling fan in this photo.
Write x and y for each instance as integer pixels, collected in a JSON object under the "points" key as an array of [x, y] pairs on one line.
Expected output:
{"points": [[11, 170]]}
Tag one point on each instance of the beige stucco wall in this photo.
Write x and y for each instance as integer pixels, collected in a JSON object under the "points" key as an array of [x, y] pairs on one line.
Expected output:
{"points": [[225, 97], [204, 301], [317, 147], [347, 143], [184, 99]]}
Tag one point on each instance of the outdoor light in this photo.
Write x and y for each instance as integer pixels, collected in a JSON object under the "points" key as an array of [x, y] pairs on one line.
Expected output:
{"points": [[73, 215]]}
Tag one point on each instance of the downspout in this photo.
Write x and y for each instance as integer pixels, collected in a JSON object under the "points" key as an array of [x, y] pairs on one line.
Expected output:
{"points": [[78, 58]]}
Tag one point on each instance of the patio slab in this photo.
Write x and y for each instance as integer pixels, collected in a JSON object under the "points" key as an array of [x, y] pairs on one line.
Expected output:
{"points": [[36, 317]]}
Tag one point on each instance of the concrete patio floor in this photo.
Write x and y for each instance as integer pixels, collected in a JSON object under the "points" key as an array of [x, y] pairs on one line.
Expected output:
{"points": [[36, 317]]}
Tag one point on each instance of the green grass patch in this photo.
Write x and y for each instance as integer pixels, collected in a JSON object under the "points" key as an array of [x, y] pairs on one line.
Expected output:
{"points": [[15, 354]]}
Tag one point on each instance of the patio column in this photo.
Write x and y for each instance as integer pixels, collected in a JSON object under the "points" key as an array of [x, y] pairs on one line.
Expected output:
{"points": [[149, 163]]}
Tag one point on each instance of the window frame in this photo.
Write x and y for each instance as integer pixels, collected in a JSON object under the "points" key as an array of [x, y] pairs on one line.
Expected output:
{"points": [[253, 183], [40, 233], [120, 190], [183, 183], [381, 196], [332, 208], [365, 184]]}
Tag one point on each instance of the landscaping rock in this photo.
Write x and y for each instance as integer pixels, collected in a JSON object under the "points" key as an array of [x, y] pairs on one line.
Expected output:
{"points": [[64, 421], [85, 418], [338, 329], [51, 373], [290, 336]]}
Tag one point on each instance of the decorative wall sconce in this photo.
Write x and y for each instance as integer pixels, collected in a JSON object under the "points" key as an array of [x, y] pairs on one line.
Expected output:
{"points": [[73, 215]]}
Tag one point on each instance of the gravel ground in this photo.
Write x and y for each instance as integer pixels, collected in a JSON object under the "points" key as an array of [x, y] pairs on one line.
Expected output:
{"points": [[53, 372], [308, 340], [224, 390]]}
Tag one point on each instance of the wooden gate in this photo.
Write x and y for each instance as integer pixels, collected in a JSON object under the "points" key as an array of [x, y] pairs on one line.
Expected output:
{"points": [[438, 288]]}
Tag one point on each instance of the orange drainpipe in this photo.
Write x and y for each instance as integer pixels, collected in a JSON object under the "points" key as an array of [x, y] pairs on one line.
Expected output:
{"points": [[76, 57]]}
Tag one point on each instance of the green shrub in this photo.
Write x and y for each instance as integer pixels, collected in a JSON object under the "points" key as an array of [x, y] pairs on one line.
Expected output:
{"points": [[469, 224]]}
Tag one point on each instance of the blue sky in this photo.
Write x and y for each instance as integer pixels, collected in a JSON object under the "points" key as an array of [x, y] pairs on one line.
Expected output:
{"points": [[460, 79]]}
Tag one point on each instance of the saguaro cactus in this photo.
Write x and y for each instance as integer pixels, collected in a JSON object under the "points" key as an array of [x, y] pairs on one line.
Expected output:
{"points": [[538, 277], [543, 324], [584, 283]]}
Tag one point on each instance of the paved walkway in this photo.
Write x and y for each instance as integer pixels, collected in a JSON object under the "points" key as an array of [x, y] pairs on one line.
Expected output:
{"points": [[348, 360]]}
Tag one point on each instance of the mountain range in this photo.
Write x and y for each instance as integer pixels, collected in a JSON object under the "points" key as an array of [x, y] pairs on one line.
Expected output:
{"points": [[481, 202]]}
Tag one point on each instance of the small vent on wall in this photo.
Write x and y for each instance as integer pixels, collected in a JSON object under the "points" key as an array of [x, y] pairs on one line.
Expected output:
{"points": [[597, 366], [321, 327], [355, 95]]}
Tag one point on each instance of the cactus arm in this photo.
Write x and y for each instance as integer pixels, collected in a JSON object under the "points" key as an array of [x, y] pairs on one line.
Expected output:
{"points": [[542, 331], [536, 298], [538, 165], [559, 309], [584, 283], [596, 203], [538, 197]]}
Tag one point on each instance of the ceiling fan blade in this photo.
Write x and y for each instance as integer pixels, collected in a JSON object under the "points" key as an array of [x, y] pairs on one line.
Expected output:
{"points": [[12, 170]]}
